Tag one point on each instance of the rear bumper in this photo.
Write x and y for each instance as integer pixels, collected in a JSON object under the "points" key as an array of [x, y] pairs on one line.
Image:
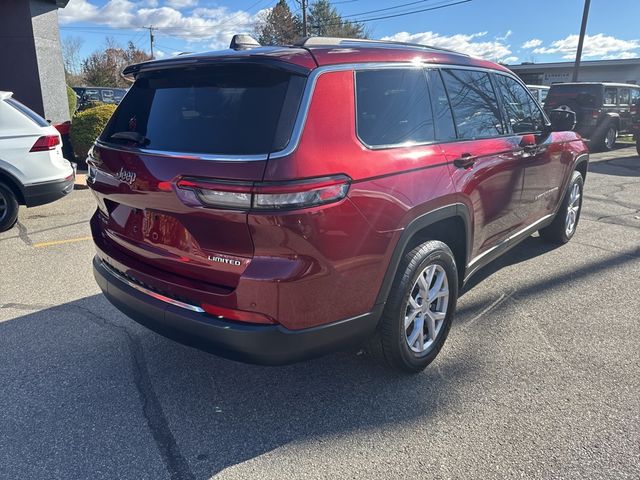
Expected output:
{"points": [[47, 192], [260, 344]]}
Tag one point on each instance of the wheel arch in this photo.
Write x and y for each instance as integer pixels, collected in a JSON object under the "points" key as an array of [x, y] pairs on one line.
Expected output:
{"points": [[450, 224], [15, 186], [582, 164]]}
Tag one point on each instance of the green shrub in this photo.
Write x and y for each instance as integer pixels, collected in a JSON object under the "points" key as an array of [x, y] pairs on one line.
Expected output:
{"points": [[73, 101], [86, 126]]}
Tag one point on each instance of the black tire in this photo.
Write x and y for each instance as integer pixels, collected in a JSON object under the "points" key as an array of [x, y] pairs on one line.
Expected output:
{"points": [[390, 342], [8, 208], [605, 142], [557, 231]]}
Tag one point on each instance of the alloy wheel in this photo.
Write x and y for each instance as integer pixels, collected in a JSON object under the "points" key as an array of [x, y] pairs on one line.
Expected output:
{"points": [[426, 308], [610, 138], [3, 206], [572, 209]]}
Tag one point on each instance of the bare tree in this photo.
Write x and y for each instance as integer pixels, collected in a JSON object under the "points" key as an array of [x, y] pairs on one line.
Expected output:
{"points": [[72, 60]]}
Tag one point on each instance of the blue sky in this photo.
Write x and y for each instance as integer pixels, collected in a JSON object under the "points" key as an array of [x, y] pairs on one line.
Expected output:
{"points": [[511, 31]]}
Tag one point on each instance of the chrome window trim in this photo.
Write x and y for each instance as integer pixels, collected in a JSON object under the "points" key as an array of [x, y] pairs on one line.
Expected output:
{"points": [[198, 156], [151, 293], [303, 112], [315, 74]]}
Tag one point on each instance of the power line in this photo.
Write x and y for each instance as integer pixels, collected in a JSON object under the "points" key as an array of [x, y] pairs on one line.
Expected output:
{"points": [[385, 9], [437, 7]]}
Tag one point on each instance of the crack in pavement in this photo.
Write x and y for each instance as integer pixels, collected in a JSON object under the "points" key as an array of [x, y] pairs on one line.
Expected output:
{"points": [[174, 461]]}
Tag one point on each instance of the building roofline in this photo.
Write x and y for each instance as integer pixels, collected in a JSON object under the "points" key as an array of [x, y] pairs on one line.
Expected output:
{"points": [[586, 63]]}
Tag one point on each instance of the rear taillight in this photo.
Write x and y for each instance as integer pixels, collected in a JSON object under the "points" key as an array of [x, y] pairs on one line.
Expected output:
{"points": [[263, 195], [46, 142]]}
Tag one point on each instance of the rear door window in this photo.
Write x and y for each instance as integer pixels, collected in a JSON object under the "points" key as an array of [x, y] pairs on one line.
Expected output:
{"points": [[445, 129], [522, 113], [225, 110], [474, 104], [610, 96], [623, 96], [393, 107]]}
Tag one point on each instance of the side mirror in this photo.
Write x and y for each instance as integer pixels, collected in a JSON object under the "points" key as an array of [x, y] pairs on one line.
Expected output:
{"points": [[562, 119]]}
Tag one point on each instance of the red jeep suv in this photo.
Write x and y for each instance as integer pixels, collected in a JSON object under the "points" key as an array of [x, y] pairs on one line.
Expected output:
{"points": [[271, 204]]}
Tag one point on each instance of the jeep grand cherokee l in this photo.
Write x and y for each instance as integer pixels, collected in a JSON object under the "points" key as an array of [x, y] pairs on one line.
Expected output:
{"points": [[603, 110], [273, 204]]}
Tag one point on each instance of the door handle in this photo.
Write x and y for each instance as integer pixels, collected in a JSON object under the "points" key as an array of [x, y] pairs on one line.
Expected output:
{"points": [[466, 160]]}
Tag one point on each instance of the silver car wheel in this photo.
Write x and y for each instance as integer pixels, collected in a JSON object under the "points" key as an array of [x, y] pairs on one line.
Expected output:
{"points": [[426, 308], [610, 138], [573, 209]]}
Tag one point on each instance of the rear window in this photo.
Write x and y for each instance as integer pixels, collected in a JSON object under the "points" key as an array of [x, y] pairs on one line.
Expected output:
{"points": [[226, 110], [393, 107], [27, 112], [574, 96]]}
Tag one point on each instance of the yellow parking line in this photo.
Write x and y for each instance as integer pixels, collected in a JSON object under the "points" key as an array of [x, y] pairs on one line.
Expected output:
{"points": [[60, 242]]}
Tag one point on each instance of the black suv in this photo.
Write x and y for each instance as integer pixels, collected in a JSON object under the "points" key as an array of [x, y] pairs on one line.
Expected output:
{"points": [[603, 110]]}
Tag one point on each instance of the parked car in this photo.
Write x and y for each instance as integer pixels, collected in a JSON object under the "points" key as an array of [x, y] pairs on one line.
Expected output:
{"points": [[272, 204], [603, 110], [32, 168], [635, 122], [89, 95], [539, 92]]}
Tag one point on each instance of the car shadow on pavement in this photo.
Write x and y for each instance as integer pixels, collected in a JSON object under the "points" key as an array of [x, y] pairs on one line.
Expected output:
{"points": [[532, 247], [628, 166], [87, 393]]}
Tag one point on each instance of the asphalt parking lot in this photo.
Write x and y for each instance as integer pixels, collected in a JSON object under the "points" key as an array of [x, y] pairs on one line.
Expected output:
{"points": [[540, 376]]}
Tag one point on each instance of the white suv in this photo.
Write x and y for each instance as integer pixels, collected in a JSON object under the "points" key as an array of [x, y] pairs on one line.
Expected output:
{"points": [[32, 168]]}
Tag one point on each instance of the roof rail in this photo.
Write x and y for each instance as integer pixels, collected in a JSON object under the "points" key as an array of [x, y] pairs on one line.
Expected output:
{"points": [[329, 41]]}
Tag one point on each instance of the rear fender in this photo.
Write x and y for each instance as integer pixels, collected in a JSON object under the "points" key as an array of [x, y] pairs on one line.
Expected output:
{"points": [[412, 229]]}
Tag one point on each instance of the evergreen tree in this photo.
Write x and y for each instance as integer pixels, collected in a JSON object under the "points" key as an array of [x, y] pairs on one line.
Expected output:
{"points": [[324, 20], [280, 27]]}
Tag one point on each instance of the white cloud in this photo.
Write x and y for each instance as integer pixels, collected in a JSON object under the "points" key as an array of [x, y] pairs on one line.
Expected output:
{"points": [[181, 3], [505, 36], [510, 60], [463, 43], [216, 26], [533, 43], [595, 46]]}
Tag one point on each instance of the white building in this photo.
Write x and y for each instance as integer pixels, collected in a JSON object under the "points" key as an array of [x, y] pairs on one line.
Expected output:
{"points": [[619, 71]]}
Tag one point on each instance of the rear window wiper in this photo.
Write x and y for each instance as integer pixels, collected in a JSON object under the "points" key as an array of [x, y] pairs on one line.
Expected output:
{"points": [[135, 137]]}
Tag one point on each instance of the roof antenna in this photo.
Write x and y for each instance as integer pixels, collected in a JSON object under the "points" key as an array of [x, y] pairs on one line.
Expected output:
{"points": [[243, 42]]}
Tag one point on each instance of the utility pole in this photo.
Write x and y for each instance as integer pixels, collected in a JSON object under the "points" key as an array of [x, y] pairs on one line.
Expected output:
{"points": [[150, 39], [583, 29], [303, 4]]}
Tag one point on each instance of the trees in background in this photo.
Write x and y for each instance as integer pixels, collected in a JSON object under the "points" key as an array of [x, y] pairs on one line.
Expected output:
{"points": [[282, 27], [103, 67], [325, 21]]}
